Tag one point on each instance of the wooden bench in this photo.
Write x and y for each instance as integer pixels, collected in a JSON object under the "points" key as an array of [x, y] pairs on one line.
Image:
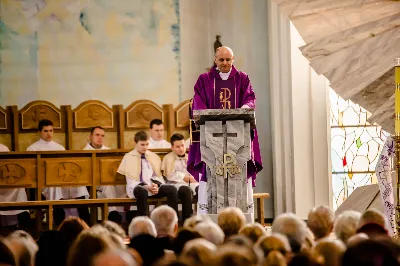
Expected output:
{"points": [[36, 170], [103, 204]]}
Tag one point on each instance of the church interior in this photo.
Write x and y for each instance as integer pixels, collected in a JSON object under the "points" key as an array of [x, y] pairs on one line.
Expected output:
{"points": [[213, 132]]}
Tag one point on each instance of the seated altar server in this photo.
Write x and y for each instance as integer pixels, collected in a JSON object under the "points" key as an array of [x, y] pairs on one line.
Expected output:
{"points": [[46, 143], [174, 168], [14, 217], [142, 169], [97, 135], [157, 140]]}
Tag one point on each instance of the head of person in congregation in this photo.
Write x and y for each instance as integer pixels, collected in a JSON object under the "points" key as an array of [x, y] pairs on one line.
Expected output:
{"points": [[96, 137], [157, 140]]}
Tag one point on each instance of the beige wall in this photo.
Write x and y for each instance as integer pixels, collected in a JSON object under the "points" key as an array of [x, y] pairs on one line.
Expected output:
{"points": [[117, 67]]}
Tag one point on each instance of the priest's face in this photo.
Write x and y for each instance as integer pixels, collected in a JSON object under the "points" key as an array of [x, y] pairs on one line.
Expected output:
{"points": [[178, 147], [224, 59], [157, 132], [142, 146], [97, 138], [47, 133]]}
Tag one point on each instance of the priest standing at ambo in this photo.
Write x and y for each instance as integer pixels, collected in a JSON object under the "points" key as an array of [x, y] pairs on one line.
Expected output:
{"points": [[237, 92]]}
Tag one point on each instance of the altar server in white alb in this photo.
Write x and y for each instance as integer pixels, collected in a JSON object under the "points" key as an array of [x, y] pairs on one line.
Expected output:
{"points": [[10, 218], [96, 142], [46, 143], [174, 168], [157, 140]]}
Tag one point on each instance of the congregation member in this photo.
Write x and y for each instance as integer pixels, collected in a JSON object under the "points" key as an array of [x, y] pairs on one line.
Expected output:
{"points": [[142, 169], [13, 217], [320, 221], [96, 142], [174, 168], [46, 143], [157, 140]]}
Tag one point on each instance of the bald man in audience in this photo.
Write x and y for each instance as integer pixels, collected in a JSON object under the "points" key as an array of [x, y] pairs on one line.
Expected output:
{"points": [[14, 217], [157, 140], [46, 143], [96, 142]]}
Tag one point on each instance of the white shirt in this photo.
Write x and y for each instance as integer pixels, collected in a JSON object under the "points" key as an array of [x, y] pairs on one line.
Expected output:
{"points": [[57, 193], [42, 145], [147, 174], [3, 148], [90, 147], [159, 144], [225, 76], [11, 194], [109, 192], [177, 177]]}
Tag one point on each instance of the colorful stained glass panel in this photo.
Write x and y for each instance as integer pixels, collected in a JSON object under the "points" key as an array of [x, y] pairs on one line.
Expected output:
{"points": [[355, 147], [344, 184]]}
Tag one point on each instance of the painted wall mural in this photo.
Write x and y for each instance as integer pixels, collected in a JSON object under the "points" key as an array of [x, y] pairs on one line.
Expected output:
{"points": [[69, 51]]}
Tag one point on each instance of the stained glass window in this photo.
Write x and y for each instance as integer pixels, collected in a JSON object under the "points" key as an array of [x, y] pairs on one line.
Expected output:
{"points": [[355, 147]]}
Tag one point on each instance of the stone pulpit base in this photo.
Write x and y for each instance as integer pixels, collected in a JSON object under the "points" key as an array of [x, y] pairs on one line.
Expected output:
{"points": [[225, 149]]}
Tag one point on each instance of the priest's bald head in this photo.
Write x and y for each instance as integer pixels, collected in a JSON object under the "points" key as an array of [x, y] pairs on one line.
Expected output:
{"points": [[224, 59]]}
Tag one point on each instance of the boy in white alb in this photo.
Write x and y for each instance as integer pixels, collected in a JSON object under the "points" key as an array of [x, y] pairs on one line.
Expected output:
{"points": [[45, 143], [97, 135], [142, 169], [157, 140], [20, 217], [174, 168]]}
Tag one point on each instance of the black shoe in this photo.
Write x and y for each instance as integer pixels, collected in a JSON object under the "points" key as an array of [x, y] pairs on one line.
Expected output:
{"points": [[24, 220], [115, 217]]}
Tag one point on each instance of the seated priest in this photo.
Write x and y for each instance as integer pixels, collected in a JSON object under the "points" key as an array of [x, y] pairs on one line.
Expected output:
{"points": [[96, 142], [46, 143], [14, 217], [174, 168], [157, 140], [142, 169]]}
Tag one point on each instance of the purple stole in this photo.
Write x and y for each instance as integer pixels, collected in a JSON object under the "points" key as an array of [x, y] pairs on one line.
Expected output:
{"points": [[225, 96]]}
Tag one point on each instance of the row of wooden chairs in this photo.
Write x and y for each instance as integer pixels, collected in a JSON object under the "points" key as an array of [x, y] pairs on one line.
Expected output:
{"points": [[18, 127]]}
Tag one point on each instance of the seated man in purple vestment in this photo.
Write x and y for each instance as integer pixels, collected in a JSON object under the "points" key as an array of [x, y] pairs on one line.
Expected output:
{"points": [[223, 87]]}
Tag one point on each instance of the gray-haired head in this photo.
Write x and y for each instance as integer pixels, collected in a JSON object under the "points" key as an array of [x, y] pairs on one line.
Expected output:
{"points": [[141, 225], [211, 232], [165, 219], [345, 225], [293, 228]]}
